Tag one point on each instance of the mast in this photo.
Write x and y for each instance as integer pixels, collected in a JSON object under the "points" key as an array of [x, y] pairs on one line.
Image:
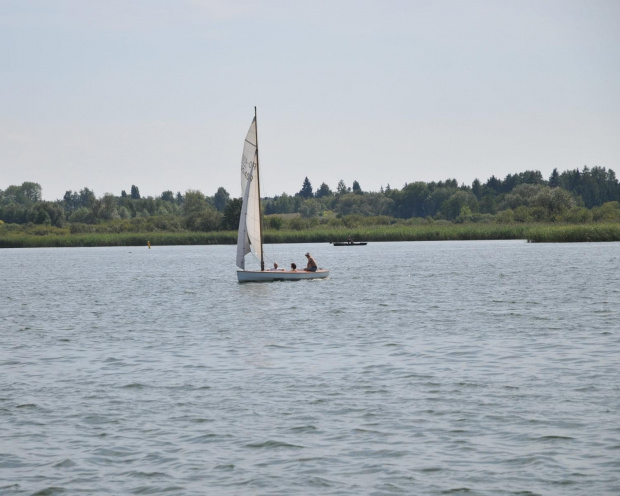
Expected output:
{"points": [[260, 212]]}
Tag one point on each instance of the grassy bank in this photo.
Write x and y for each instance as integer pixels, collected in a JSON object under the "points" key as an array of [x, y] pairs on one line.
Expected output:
{"points": [[439, 232], [536, 233], [574, 234], [120, 239]]}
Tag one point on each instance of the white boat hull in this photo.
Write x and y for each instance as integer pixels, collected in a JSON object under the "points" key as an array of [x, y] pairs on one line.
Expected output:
{"points": [[279, 275]]}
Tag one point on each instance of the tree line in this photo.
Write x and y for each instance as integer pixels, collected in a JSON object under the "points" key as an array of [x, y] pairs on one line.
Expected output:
{"points": [[589, 194], [573, 195]]}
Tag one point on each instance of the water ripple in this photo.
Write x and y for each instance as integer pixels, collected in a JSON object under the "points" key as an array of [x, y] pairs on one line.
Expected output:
{"points": [[486, 368]]}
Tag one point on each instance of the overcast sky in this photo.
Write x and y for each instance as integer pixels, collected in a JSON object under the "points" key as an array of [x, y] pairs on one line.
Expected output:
{"points": [[160, 93]]}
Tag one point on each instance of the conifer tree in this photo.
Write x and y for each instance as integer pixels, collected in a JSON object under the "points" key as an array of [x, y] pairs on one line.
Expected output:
{"points": [[306, 189]]}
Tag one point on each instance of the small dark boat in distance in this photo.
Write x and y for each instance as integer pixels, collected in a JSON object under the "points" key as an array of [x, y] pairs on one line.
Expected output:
{"points": [[346, 243]]}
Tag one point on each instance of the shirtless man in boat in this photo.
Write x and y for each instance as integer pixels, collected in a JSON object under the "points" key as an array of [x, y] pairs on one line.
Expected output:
{"points": [[311, 263]]}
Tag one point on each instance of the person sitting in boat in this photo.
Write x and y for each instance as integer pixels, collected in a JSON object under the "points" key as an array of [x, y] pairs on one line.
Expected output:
{"points": [[350, 240], [275, 266], [311, 263], [293, 267]]}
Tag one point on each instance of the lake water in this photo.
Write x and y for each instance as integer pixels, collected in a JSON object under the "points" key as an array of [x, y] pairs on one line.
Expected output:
{"points": [[478, 368]]}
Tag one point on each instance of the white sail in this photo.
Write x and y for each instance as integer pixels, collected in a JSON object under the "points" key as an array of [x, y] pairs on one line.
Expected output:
{"points": [[243, 242], [249, 236]]}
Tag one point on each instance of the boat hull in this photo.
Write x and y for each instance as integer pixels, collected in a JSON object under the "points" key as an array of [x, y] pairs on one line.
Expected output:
{"points": [[344, 243], [279, 275]]}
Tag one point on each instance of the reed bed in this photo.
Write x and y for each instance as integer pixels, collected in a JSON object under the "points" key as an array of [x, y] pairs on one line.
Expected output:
{"points": [[535, 233], [574, 233], [444, 232], [118, 239]]}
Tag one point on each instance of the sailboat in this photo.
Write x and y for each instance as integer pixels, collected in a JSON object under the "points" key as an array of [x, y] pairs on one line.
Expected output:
{"points": [[250, 236]]}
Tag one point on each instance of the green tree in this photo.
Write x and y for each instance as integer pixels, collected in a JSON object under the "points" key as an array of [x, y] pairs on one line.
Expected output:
{"points": [[105, 208], [452, 207], [554, 179], [522, 194], [436, 199], [323, 191], [220, 199], [351, 204], [414, 200], [578, 215], [607, 212], [488, 205], [356, 188], [232, 212], [13, 213], [26, 194], [309, 208], [167, 196], [306, 189], [589, 189], [476, 188], [283, 204], [135, 192], [32, 191], [556, 201], [42, 217], [274, 222], [124, 213], [194, 202], [521, 214], [341, 189], [505, 217], [83, 215], [493, 185], [205, 220], [527, 177], [47, 213], [87, 198], [71, 202]]}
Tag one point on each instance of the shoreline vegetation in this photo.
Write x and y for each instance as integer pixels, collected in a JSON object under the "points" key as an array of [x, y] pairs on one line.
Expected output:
{"points": [[535, 233], [578, 205]]}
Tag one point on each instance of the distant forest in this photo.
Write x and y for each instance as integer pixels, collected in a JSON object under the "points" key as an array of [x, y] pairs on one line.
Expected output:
{"points": [[573, 196]]}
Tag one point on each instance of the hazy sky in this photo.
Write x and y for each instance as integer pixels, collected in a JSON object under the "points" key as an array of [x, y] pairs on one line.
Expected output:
{"points": [[160, 93]]}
